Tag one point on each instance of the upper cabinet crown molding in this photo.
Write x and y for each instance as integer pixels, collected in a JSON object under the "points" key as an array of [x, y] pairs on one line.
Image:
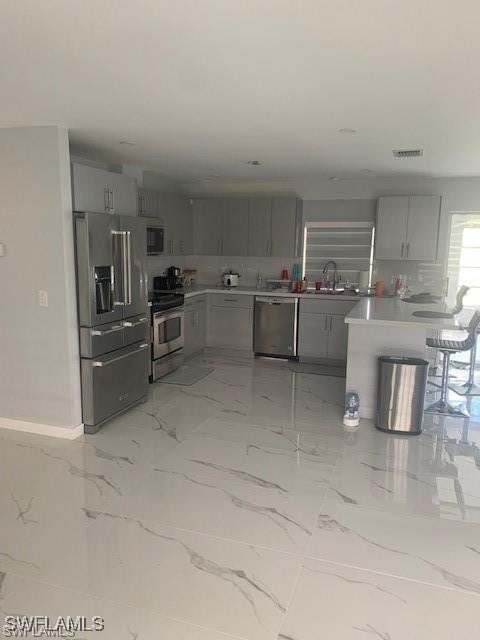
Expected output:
{"points": [[407, 228]]}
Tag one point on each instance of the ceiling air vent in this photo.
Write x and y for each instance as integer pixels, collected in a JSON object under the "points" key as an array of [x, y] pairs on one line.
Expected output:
{"points": [[407, 153]]}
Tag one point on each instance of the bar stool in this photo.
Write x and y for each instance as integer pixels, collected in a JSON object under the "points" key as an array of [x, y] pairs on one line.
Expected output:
{"points": [[461, 293], [469, 388], [447, 347]]}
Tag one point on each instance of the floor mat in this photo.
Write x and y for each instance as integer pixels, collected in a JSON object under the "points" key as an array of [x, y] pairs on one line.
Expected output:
{"points": [[187, 375]]}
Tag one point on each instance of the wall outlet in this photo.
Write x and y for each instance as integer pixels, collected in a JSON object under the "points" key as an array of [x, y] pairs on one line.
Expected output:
{"points": [[43, 298]]}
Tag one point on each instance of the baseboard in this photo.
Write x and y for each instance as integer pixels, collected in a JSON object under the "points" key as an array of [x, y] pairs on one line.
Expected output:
{"points": [[69, 433]]}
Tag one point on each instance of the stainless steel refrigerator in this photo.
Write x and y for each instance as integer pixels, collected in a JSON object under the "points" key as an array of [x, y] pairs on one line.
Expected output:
{"points": [[113, 314]]}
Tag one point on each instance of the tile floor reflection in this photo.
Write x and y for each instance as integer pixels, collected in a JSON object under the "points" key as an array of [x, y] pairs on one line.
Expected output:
{"points": [[239, 507]]}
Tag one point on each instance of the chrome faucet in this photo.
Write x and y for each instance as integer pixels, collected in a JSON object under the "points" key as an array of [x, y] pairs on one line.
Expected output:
{"points": [[325, 270]]}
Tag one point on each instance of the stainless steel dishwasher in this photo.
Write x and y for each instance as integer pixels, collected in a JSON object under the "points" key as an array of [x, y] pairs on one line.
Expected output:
{"points": [[275, 327]]}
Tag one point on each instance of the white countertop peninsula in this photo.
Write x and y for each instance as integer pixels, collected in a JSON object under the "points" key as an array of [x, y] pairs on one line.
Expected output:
{"points": [[394, 311], [386, 326]]}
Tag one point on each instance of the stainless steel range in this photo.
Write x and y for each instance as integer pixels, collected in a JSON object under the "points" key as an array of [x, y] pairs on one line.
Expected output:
{"points": [[167, 332]]}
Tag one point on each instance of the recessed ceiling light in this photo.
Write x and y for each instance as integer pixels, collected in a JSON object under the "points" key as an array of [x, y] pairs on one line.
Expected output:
{"points": [[347, 130], [365, 171], [128, 143], [334, 179], [254, 163]]}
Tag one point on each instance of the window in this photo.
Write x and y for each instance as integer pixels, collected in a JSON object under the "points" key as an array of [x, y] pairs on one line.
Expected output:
{"points": [[464, 257], [349, 244]]}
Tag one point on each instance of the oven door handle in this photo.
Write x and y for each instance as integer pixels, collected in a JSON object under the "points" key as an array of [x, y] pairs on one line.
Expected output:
{"points": [[162, 315], [105, 363]]}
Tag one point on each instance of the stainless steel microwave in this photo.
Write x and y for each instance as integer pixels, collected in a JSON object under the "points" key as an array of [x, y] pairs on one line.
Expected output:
{"points": [[155, 235]]}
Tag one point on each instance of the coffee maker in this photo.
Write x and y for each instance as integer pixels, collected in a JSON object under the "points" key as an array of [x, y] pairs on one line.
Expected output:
{"points": [[173, 279]]}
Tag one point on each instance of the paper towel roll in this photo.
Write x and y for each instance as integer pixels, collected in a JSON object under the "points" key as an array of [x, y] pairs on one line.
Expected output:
{"points": [[363, 279]]}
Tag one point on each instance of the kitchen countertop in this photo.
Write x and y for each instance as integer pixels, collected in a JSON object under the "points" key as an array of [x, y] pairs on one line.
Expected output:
{"points": [[393, 311], [200, 289]]}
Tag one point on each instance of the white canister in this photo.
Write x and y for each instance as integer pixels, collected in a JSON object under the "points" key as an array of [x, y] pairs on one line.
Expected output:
{"points": [[230, 280]]}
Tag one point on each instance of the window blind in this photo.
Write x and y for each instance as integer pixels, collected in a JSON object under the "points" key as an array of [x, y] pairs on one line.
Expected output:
{"points": [[349, 244]]}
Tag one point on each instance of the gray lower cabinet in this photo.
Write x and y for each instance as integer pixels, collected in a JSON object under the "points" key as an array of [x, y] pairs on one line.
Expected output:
{"points": [[337, 337], [195, 325], [230, 322], [101, 191], [322, 332], [312, 336]]}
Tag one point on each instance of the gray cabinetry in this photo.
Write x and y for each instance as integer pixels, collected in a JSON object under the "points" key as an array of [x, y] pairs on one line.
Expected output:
{"points": [[207, 226], [260, 227], [235, 227], [195, 325], [100, 191], [312, 335], [241, 226], [230, 322], [147, 202], [322, 332], [422, 228], [407, 227], [285, 227]]}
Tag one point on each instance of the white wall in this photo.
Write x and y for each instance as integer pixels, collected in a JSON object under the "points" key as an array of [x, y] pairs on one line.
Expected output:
{"points": [[39, 374]]}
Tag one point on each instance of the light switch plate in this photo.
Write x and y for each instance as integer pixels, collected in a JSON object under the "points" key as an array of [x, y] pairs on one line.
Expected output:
{"points": [[43, 298]]}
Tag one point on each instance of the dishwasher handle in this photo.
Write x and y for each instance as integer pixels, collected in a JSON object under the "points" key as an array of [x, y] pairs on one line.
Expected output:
{"points": [[273, 300]]}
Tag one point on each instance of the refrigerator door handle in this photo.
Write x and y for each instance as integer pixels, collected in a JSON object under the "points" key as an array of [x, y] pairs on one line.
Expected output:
{"points": [[128, 267], [121, 300]]}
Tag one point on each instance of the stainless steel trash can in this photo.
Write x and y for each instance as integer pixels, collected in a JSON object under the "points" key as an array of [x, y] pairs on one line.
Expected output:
{"points": [[401, 390]]}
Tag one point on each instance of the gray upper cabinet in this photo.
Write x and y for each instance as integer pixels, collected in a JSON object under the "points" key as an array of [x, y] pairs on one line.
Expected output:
{"points": [[124, 194], [407, 228], [241, 226], [101, 191], [422, 227], [185, 226], [147, 202], [235, 227], [285, 227], [392, 219], [207, 226], [260, 227]]}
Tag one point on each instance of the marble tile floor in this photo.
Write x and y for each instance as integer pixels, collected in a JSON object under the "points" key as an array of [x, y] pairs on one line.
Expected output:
{"points": [[240, 508]]}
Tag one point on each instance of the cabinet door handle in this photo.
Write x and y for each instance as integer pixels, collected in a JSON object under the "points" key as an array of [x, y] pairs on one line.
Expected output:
{"points": [[403, 247], [266, 249], [105, 198], [408, 249], [325, 323], [331, 323]]}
